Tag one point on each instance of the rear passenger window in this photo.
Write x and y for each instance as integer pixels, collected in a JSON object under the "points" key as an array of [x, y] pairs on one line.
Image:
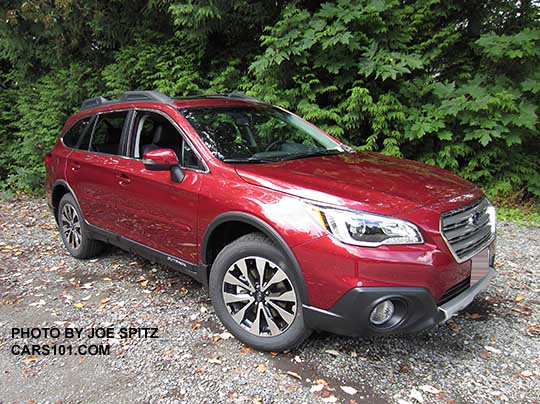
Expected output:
{"points": [[108, 132], [72, 138]]}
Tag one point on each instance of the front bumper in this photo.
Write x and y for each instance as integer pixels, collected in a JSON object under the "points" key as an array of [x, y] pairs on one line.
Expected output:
{"points": [[415, 309]]}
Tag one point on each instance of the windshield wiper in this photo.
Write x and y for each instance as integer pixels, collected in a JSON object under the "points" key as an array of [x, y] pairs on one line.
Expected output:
{"points": [[248, 160], [317, 153]]}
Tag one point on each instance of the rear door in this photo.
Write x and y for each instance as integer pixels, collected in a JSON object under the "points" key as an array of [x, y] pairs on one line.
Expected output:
{"points": [[153, 210], [90, 170]]}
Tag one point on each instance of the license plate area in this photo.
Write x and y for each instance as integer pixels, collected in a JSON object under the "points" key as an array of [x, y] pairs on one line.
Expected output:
{"points": [[480, 265]]}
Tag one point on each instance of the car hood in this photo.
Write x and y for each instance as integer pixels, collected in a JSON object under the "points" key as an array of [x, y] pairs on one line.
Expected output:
{"points": [[360, 180]]}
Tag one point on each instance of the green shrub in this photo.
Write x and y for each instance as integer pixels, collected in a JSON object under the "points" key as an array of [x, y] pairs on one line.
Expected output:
{"points": [[453, 84]]}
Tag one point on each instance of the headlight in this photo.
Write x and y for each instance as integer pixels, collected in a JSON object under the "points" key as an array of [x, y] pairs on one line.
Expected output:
{"points": [[365, 229]]}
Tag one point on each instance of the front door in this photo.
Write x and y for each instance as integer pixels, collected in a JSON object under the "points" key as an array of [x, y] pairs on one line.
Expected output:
{"points": [[152, 209]]}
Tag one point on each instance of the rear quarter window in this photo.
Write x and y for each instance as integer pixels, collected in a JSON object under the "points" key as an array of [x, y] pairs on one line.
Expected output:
{"points": [[72, 138]]}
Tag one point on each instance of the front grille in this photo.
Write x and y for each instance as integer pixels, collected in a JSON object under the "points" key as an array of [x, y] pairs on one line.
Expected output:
{"points": [[468, 230], [454, 291]]}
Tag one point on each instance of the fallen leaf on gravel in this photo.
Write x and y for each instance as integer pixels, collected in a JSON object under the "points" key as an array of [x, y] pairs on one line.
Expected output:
{"points": [[105, 300], [261, 368], [330, 399], [525, 374], [405, 368], [215, 360], [78, 305], [525, 310], [453, 326], [143, 284], [324, 383], [274, 354], [216, 338], [316, 388], [29, 359], [332, 352], [349, 390], [492, 350], [167, 354], [417, 395], [246, 350], [473, 316], [429, 389], [534, 330], [195, 326], [106, 279], [519, 298], [485, 356], [294, 374]]}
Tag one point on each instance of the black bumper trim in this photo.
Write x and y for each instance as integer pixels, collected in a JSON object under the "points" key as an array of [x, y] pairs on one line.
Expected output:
{"points": [[350, 315]]}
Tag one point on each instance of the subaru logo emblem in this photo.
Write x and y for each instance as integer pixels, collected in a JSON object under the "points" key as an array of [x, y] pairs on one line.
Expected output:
{"points": [[474, 219]]}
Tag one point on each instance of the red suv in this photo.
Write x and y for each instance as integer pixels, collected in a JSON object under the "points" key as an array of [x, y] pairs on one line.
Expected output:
{"points": [[290, 229]]}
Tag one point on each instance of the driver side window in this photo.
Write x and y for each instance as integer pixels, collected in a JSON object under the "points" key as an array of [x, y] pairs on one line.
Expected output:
{"points": [[152, 131]]}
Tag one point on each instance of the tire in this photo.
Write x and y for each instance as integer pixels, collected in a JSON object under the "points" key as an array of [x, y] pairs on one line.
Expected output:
{"points": [[74, 231], [239, 297]]}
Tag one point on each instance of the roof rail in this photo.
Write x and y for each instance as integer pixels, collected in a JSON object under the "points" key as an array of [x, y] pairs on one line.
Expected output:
{"points": [[238, 96], [242, 96], [127, 96]]}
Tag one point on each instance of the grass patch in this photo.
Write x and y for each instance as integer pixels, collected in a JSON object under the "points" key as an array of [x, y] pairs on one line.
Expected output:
{"points": [[518, 215]]}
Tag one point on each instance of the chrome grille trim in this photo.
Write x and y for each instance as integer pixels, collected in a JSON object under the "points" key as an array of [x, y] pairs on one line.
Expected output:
{"points": [[463, 238]]}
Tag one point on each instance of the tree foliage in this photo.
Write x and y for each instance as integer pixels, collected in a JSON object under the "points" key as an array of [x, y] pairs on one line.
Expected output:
{"points": [[454, 84]]}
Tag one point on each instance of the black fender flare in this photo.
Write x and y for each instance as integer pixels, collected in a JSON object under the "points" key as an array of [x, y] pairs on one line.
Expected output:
{"points": [[64, 184], [268, 231]]}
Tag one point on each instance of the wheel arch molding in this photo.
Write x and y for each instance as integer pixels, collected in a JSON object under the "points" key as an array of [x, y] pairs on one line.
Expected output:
{"points": [[58, 189], [264, 228]]}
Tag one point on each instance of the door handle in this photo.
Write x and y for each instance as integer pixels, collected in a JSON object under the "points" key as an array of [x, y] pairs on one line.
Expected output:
{"points": [[123, 179], [75, 166]]}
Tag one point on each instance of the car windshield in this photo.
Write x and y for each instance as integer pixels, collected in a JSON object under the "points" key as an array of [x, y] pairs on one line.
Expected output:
{"points": [[255, 134]]}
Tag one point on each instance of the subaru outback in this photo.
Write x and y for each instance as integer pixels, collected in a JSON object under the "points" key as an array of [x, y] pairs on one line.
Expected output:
{"points": [[288, 228]]}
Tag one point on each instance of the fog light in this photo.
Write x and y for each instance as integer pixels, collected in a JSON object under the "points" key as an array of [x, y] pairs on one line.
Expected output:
{"points": [[382, 313]]}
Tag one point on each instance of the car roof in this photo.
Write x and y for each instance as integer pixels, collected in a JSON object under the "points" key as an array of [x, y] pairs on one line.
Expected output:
{"points": [[146, 97]]}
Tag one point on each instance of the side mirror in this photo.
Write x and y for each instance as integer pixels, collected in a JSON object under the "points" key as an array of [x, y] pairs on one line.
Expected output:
{"points": [[163, 160]]}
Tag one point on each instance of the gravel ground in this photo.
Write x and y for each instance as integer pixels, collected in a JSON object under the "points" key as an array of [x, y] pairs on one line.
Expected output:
{"points": [[488, 354]]}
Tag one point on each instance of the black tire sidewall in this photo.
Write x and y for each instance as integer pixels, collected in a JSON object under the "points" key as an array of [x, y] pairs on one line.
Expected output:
{"points": [[263, 248], [83, 247]]}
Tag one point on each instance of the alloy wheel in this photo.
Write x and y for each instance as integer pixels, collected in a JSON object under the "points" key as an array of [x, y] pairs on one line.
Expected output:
{"points": [[71, 226], [259, 296]]}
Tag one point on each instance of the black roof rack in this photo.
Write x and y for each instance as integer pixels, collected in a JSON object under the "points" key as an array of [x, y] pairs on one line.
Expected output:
{"points": [[238, 96], [128, 96], [156, 96]]}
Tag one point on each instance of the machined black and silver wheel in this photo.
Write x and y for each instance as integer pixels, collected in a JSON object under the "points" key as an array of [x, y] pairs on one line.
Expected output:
{"points": [[256, 294], [259, 296], [71, 226], [74, 231]]}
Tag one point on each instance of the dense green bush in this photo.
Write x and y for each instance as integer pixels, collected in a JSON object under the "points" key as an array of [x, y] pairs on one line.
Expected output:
{"points": [[454, 84]]}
